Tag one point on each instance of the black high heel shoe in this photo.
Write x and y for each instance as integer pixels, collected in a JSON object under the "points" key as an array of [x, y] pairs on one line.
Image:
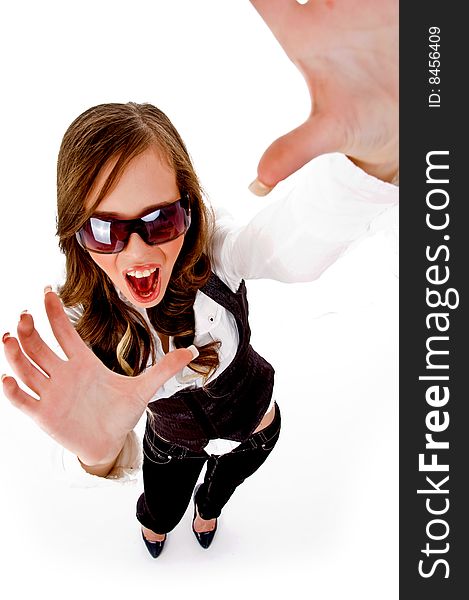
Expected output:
{"points": [[205, 538], [154, 548]]}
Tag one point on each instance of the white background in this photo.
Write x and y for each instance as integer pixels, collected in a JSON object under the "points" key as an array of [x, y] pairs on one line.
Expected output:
{"points": [[319, 520]]}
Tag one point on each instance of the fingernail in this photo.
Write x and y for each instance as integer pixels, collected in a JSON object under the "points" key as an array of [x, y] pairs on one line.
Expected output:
{"points": [[193, 350], [24, 312], [47, 289], [5, 336], [259, 189], [3, 377]]}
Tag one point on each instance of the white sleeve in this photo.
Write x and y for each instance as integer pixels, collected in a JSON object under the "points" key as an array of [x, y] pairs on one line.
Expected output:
{"points": [[297, 237], [125, 470]]}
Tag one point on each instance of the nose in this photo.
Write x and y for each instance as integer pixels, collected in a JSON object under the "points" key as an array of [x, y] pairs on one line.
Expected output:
{"points": [[137, 250]]}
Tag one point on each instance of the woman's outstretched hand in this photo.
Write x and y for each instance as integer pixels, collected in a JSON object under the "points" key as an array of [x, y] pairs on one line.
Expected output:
{"points": [[84, 406], [347, 51]]}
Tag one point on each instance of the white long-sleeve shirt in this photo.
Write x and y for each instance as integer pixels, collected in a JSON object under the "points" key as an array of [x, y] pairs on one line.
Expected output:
{"points": [[293, 239]]}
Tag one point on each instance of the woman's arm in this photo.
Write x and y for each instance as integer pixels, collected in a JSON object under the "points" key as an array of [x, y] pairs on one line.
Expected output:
{"points": [[99, 470], [296, 238], [125, 468]]}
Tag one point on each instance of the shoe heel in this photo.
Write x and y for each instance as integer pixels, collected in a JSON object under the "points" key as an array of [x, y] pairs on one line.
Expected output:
{"points": [[206, 537]]}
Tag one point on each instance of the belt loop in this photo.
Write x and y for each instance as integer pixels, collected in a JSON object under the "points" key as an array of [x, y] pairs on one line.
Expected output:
{"points": [[180, 451], [176, 450], [253, 442]]}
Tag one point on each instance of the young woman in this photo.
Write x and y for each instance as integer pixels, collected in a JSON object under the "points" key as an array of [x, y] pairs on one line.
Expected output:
{"points": [[156, 294], [139, 282]]}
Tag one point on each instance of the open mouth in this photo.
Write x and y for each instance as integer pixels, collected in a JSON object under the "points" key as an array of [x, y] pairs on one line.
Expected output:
{"points": [[144, 283]]}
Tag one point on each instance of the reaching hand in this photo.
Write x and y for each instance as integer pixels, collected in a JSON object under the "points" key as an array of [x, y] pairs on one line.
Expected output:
{"points": [[83, 405], [347, 51]]}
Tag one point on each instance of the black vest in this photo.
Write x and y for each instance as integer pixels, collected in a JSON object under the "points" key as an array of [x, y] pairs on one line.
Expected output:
{"points": [[233, 404]]}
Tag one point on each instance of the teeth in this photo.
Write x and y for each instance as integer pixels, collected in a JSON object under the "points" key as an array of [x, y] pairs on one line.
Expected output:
{"points": [[140, 274]]}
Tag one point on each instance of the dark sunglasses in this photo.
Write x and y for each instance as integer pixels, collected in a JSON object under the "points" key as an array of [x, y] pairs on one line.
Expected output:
{"points": [[108, 235]]}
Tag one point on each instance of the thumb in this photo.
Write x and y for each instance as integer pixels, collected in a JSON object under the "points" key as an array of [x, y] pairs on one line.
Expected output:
{"points": [[173, 362], [320, 134]]}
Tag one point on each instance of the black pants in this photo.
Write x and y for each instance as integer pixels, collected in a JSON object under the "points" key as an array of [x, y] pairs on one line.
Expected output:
{"points": [[170, 473]]}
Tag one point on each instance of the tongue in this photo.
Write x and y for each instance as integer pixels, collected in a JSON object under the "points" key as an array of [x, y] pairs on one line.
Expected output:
{"points": [[144, 284]]}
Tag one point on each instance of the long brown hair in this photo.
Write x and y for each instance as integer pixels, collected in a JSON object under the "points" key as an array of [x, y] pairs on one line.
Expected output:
{"points": [[116, 332]]}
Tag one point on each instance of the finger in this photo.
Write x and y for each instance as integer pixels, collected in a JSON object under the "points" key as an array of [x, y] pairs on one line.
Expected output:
{"points": [[320, 134], [279, 15], [18, 397], [173, 362], [35, 347], [64, 332], [28, 373]]}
